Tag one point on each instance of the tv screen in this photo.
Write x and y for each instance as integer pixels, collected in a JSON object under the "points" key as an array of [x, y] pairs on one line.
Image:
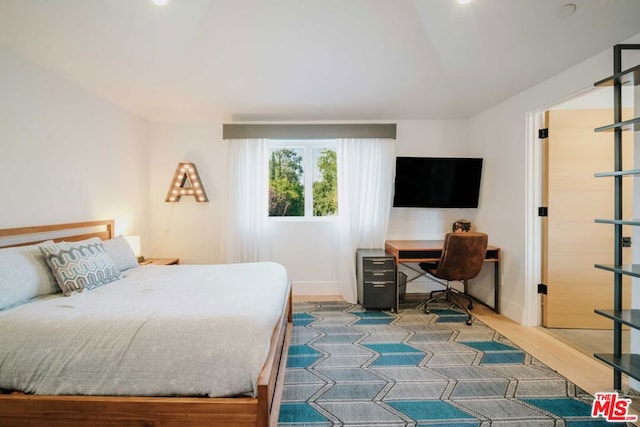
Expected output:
{"points": [[437, 182]]}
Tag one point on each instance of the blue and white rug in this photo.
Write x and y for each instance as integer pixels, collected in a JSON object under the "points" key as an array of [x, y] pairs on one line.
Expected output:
{"points": [[351, 367]]}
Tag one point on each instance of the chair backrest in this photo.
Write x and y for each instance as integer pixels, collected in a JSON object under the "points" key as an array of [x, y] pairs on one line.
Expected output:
{"points": [[462, 257]]}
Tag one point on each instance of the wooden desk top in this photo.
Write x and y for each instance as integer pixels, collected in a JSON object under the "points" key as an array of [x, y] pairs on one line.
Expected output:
{"points": [[421, 245], [426, 250]]}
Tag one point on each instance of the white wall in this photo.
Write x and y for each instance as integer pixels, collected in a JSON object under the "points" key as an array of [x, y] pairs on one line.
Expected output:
{"points": [[67, 155], [500, 135], [186, 229], [428, 138], [309, 249]]}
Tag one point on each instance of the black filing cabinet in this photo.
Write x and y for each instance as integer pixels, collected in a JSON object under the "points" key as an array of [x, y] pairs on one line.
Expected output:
{"points": [[376, 271]]}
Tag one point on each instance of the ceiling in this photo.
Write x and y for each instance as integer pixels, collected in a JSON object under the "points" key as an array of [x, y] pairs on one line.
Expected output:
{"points": [[195, 60]]}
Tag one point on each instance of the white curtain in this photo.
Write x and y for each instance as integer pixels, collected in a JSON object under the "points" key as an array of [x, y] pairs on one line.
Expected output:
{"points": [[365, 187], [247, 199]]}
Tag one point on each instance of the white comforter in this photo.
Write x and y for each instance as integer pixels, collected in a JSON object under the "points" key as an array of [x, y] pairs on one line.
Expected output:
{"points": [[160, 331]]}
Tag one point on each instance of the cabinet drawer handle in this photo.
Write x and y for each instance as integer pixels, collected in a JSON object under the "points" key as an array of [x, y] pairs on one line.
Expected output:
{"points": [[382, 273], [379, 262], [378, 284]]}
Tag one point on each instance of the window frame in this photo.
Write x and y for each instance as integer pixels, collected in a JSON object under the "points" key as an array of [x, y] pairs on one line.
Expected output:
{"points": [[309, 168]]}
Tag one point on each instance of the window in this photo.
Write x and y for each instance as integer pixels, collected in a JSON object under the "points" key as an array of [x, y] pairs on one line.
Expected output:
{"points": [[303, 179]]}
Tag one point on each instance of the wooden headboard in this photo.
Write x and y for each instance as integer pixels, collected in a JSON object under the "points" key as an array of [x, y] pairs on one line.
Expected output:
{"points": [[69, 232]]}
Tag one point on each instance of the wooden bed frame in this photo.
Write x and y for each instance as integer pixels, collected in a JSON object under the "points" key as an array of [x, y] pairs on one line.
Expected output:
{"points": [[19, 409]]}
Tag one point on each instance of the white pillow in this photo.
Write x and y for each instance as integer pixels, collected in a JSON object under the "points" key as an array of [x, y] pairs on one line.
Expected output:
{"points": [[79, 265], [24, 274], [120, 253]]}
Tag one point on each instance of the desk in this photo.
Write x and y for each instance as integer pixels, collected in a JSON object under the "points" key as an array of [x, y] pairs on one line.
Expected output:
{"points": [[430, 250]]}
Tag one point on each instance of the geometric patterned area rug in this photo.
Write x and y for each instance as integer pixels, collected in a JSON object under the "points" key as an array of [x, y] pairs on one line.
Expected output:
{"points": [[351, 367]]}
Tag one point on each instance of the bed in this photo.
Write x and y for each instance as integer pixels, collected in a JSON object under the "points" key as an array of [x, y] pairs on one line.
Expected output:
{"points": [[141, 389]]}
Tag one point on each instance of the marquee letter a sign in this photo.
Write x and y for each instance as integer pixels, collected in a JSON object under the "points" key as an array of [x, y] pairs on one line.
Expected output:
{"points": [[186, 182]]}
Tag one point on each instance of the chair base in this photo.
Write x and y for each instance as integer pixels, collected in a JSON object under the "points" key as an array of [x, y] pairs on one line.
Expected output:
{"points": [[453, 296]]}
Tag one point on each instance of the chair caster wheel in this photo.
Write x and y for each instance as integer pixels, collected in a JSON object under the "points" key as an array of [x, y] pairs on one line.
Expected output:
{"points": [[470, 306], [469, 322], [427, 311]]}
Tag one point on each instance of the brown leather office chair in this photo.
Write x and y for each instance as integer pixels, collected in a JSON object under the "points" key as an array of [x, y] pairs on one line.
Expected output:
{"points": [[463, 255]]}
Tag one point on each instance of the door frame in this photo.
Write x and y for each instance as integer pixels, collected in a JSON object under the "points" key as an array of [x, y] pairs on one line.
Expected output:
{"points": [[532, 313]]}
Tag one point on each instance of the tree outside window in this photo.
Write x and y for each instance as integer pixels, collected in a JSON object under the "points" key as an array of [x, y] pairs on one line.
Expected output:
{"points": [[325, 183], [286, 177], [294, 193]]}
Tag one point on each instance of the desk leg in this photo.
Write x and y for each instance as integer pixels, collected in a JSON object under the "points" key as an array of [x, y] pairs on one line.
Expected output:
{"points": [[496, 293]]}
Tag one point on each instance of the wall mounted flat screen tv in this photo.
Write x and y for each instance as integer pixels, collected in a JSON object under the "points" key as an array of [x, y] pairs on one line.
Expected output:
{"points": [[437, 182]]}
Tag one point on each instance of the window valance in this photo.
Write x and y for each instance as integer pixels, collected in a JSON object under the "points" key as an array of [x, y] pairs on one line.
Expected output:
{"points": [[308, 131]]}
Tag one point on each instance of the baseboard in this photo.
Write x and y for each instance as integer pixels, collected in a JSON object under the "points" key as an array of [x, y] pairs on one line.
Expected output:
{"points": [[316, 288], [514, 312], [316, 298]]}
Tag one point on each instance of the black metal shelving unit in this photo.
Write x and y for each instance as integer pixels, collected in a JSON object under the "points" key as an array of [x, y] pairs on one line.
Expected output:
{"points": [[627, 364]]}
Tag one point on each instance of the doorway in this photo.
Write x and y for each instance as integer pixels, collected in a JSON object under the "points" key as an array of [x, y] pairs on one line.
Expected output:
{"points": [[571, 241]]}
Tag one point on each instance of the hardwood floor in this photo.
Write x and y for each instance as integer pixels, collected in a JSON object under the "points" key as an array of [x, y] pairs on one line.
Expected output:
{"points": [[589, 341], [584, 371]]}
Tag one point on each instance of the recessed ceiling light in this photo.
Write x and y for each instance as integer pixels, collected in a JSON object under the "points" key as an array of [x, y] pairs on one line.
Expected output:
{"points": [[160, 2], [464, 1]]}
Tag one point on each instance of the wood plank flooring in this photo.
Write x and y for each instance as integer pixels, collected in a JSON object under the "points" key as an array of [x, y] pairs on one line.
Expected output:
{"points": [[589, 341]]}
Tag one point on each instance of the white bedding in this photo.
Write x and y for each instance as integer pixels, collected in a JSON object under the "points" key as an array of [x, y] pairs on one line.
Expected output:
{"points": [[159, 331]]}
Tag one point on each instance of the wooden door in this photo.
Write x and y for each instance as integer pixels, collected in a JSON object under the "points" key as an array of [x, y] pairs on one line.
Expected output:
{"points": [[574, 242]]}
